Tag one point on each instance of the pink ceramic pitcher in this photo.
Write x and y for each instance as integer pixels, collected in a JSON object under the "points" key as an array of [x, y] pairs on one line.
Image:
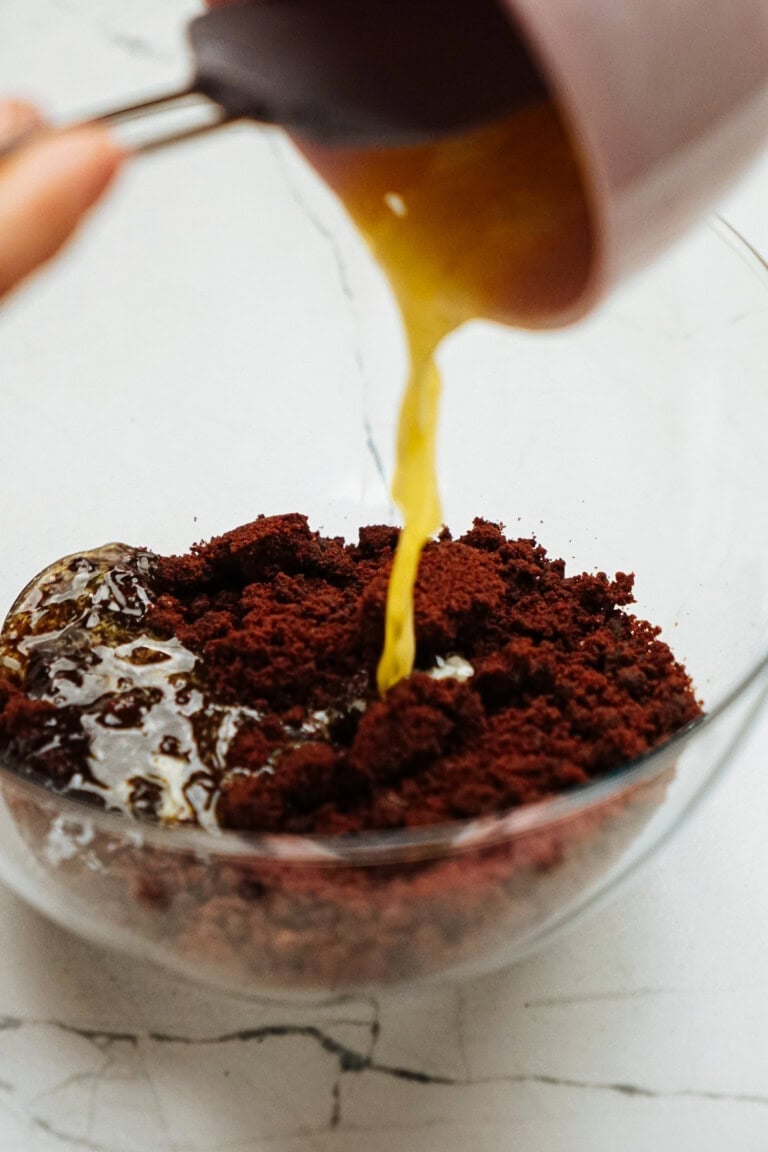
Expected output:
{"points": [[667, 101]]}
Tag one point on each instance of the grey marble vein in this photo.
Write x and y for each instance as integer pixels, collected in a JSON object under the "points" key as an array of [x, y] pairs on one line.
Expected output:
{"points": [[350, 1061], [132, 43], [567, 1001], [66, 1138], [331, 241]]}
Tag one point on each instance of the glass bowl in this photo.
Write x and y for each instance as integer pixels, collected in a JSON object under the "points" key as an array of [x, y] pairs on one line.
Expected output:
{"points": [[221, 345]]}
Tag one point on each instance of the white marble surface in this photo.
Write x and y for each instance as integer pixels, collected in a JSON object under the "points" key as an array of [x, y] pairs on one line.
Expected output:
{"points": [[647, 1027]]}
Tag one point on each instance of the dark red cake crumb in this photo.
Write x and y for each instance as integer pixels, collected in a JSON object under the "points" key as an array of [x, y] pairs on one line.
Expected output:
{"points": [[551, 684], [567, 685]]}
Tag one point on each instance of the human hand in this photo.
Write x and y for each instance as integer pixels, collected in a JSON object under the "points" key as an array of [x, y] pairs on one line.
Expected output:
{"points": [[46, 188]]}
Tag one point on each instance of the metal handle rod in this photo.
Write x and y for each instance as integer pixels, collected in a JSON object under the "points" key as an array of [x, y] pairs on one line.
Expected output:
{"points": [[201, 115], [144, 107]]}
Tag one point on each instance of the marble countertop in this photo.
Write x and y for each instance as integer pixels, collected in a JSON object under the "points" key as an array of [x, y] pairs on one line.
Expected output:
{"points": [[646, 1027]]}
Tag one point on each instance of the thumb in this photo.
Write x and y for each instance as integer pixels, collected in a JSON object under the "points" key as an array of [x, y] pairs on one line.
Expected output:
{"points": [[45, 190]]}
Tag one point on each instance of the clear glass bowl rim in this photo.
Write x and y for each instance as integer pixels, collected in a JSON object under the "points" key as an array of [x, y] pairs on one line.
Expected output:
{"points": [[393, 846]]}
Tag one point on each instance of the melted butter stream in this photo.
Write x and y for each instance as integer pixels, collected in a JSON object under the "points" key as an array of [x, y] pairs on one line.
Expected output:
{"points": [[491, 224]]}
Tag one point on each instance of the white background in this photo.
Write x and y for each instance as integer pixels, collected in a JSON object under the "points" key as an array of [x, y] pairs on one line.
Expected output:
{"points": [[646, 1028]]}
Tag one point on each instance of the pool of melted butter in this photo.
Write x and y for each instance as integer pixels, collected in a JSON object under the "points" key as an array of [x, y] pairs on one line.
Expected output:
{"points": [[76, 634]]}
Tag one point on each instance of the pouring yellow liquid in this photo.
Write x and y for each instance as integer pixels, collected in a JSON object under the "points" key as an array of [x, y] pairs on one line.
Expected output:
{"points": [[490, 224]]}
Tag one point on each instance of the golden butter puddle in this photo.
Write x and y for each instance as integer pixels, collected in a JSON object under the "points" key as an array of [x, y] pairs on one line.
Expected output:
{"points": [[77, 634], [491, 224]]}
